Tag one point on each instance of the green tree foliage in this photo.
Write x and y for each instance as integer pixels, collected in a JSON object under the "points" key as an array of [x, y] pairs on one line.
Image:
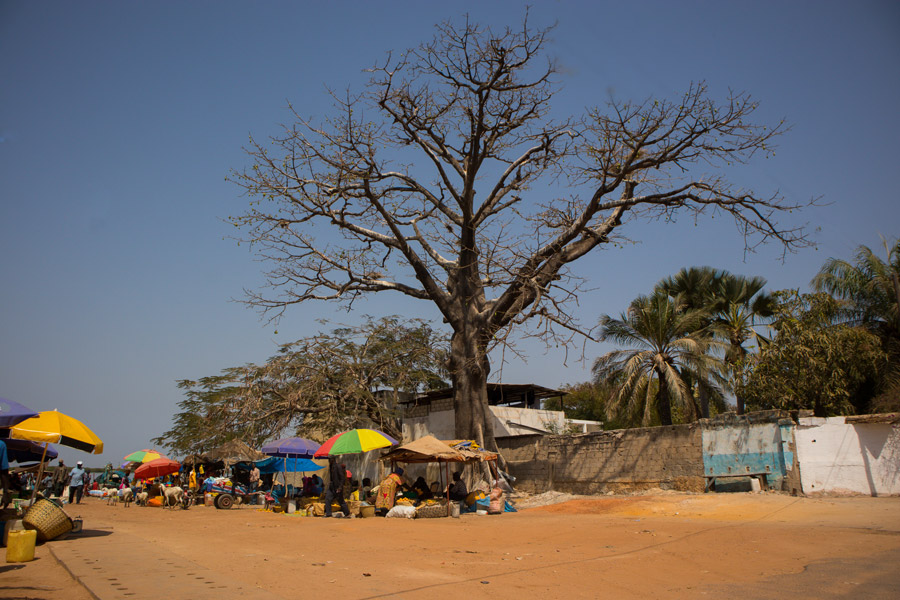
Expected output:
{"points": [[315, 387], [669, 341], [814, 361], [869, 289], [212, 413], [735, 305]]}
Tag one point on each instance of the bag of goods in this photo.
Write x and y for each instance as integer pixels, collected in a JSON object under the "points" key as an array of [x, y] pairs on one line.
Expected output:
{"points": [[402, 511]]}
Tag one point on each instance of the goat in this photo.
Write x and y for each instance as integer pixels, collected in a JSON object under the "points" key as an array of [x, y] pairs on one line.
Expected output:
{"points": [[127, 496], [141, 498], [112, 496], [172, 496]]}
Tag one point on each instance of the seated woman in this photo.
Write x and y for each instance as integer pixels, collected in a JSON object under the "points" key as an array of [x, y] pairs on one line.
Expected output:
{"points": [[317, 486], [423, 492], [386, 494]]}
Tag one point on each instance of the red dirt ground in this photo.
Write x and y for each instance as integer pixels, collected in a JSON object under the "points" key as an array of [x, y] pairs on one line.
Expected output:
{"points": [[663, 545]]}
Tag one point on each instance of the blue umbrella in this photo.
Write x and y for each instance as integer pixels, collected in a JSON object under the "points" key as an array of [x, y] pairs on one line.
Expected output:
{"points": [[294, 446], [289, 465], [22, 451], [12, 413]]}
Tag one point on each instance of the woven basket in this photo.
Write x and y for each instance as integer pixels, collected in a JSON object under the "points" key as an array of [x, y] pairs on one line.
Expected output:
{"points": [[432, 511], [48, 520]]}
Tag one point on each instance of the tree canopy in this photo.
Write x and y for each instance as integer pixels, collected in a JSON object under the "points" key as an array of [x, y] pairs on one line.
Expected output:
{"points": [[668, 341], [869, 291], [448, 181], [814, 361], [733, 306], [315, 387]]}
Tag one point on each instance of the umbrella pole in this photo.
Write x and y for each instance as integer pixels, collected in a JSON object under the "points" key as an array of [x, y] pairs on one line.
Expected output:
{"points": [[284, 474], [37, 483]]}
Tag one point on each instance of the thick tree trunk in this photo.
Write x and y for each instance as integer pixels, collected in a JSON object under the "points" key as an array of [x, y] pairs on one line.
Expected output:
{"points": [[469, 368]]}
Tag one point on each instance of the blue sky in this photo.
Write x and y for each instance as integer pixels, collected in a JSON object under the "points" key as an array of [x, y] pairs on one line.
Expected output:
{"points": [[120, 121]]}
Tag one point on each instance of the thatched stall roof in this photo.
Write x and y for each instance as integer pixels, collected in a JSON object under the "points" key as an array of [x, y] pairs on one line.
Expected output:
{"points": [[430, 449], [234, 451]]}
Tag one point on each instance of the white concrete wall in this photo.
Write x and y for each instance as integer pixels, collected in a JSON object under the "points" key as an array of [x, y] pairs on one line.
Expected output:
{"points": [[838, 457], [441, 424], [507, 420]]}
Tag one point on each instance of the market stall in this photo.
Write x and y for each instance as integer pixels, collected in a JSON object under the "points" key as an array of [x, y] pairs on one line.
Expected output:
{"points": [[429, 449]]}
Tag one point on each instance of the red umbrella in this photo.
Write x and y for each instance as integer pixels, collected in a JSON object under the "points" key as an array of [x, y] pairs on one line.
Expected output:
{"points": [[159, 467]]}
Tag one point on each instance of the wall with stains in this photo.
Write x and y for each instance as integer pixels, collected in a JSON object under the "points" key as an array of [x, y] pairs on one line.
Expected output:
{"points": [[840, 457]]}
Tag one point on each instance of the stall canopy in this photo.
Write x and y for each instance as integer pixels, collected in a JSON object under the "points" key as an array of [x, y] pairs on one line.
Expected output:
{"points": [[431, 449], [233, 452], [422, 450]]}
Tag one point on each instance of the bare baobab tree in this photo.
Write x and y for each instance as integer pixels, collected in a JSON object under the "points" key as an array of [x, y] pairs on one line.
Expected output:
{"points": [[433, 183]]}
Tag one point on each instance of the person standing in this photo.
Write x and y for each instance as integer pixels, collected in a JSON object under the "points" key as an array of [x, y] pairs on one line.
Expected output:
{"points": [[337, 475], [254, 478], [76, 483], [60, 478]]}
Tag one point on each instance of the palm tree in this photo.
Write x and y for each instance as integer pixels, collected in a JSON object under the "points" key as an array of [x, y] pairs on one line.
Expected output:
{"points": [[735, 304], [668, 341], [870, 289]]}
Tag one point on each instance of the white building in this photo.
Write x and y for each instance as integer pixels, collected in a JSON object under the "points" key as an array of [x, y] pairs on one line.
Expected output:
{"points": [[516, 409]]}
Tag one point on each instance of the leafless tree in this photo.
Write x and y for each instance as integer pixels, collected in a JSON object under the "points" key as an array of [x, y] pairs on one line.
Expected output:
{"points": [[435, 182]]}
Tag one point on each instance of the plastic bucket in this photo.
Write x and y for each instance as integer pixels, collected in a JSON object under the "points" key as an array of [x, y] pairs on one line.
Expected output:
{"points": [[20, 546]]}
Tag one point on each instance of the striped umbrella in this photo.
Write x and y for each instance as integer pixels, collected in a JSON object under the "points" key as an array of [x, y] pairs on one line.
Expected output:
{"points": [[144, 456], [355, 441]]}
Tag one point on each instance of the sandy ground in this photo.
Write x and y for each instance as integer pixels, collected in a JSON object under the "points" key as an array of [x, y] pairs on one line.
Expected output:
{"points": [[663, 545]]}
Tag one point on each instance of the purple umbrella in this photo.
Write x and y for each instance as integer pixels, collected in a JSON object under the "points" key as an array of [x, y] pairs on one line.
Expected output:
{"points": [[295, 447], [22, 451], [291, 447], [12, 413]]}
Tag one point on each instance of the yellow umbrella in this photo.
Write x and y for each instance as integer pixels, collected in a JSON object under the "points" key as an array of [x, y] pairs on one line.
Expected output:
{"points": [[56, 428]]}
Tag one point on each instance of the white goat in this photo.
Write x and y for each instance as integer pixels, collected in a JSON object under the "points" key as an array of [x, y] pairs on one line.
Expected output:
{"points": [[173, 496], [141, 498], [127, 496]]}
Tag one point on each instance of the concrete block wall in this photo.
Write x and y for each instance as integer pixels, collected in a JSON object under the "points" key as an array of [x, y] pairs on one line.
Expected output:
{"points": [[840, 457], [620, 461]]}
